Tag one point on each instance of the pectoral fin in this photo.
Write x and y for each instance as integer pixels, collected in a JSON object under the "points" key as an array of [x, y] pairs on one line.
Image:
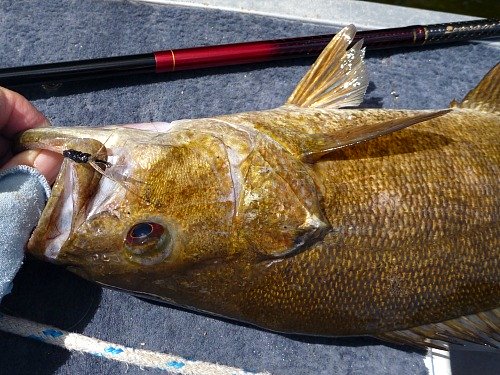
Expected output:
{"points": [[481, 328], [337, 78], [313, 147]]}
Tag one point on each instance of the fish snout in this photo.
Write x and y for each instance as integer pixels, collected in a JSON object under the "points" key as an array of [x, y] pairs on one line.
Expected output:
{"points": [[74, 186]]}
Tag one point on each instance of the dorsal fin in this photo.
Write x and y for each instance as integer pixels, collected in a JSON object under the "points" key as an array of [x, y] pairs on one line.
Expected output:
{"points": [[337, 78], [486, 95], [482, 328]]}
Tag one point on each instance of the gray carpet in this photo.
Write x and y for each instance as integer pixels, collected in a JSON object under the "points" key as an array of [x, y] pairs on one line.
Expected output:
{"points": [[52, 30]]}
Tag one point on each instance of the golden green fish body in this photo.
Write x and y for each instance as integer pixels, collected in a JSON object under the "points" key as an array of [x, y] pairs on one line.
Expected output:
{"points": [[305, 219], [414, 233]]}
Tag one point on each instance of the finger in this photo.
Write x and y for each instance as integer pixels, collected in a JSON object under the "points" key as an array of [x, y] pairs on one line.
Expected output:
{"points": [[18, 114], [47, 162]]}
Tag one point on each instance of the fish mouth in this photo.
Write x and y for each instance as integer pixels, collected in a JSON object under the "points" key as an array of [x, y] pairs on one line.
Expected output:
{"points": [[64, 210], [75, 184]]}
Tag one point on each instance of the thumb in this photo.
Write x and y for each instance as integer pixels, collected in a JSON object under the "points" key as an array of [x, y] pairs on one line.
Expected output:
{"points": [[47, 162]]}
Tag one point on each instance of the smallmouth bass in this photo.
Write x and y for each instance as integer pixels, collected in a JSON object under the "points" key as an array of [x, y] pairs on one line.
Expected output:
{"points": [[306, 219]]}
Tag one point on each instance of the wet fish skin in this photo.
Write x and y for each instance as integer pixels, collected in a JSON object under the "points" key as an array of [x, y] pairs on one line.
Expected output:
{"points": [[269, 219], [414, 232]]}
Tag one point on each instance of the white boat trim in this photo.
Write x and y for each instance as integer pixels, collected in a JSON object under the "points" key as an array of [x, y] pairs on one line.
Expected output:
{"points": [[364, 15]]}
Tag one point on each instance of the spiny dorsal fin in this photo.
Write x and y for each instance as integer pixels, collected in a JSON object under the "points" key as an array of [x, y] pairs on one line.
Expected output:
{"points": [[311, 147], [482, 329], [486, 95], [337, 78]]}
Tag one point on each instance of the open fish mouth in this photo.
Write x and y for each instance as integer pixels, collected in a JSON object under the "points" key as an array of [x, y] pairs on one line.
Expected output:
{"points": [[76, 189], [75, 186], [56, 222]]}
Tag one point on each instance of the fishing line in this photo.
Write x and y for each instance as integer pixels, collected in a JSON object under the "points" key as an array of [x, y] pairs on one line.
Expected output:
{"points": [[103, 167], [90, 345]]}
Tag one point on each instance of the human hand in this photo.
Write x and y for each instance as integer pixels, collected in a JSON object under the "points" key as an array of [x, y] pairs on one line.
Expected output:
{"points": [[16, 115]]}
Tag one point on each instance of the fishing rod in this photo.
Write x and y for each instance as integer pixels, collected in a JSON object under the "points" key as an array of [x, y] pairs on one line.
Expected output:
{"points": [[243, 53]]}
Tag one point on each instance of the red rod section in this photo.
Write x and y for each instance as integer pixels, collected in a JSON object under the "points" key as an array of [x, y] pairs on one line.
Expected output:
{"points": [[255, 52], [205, 57]]}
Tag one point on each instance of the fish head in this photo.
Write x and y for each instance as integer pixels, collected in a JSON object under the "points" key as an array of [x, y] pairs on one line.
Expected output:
{"points": [[173, 211], [165, 202]]}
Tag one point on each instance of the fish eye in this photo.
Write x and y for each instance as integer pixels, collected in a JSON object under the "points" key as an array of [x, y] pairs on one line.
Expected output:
{"points": [[147, 243], [141, 233]]}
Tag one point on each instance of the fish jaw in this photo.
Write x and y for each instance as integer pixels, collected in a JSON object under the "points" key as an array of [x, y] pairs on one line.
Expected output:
{"points": [[81, 190], [78, 188], [55, 223], [74, 185]]}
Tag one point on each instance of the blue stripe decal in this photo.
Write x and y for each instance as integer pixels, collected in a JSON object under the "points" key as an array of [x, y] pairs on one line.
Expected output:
{"points": [[176, 364], [113, 350], [52, 332]]}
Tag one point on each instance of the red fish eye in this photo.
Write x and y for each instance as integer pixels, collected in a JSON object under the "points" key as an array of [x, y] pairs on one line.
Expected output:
{"points": [[142, 233], [147, 243]]}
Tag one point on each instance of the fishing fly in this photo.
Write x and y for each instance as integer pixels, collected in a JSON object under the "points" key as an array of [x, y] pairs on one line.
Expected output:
{"points": [[84, 157], [100, 166]]}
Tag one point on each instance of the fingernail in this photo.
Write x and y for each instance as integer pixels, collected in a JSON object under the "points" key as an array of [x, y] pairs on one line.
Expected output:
{"points": [[45, 124]]}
